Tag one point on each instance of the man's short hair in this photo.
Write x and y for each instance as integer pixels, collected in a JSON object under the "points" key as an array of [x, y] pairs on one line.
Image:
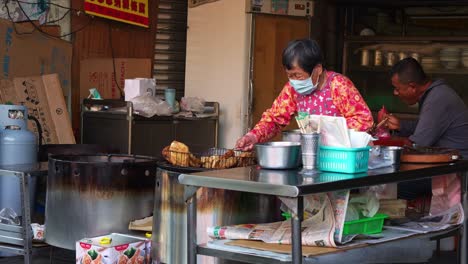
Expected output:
{"points": [[409, 70], [305, 52]]}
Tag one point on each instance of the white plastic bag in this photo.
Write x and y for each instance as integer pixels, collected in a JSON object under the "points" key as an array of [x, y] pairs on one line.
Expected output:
{"points": [[148, 106], [8, 216], [38, 232], [192, 104], [359, 139], [367, 204]]}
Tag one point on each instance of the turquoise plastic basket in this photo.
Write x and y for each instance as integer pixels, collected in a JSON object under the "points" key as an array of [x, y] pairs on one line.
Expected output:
{"points": [[346, 160]]}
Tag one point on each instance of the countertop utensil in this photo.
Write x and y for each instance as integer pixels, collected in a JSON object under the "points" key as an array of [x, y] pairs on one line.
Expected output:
{"points": [[278, 154]]}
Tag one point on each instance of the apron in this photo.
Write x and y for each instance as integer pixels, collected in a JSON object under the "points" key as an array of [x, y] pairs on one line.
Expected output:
{"points": [[320, 101]]}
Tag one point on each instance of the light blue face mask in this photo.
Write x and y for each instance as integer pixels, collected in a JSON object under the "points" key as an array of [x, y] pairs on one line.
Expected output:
{"points": [[303, 87]]}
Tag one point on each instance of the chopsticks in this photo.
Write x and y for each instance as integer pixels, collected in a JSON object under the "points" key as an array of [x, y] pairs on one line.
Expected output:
{"points": [[375, 127], [301, 124], [306, 123], [382, 122]]}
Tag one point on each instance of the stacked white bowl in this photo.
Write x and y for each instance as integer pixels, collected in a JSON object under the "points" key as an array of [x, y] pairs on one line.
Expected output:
{"points": [[464, 58], [430, 63], [450, 57]]}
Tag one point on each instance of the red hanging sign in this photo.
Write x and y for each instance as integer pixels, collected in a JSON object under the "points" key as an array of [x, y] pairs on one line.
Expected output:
{"points": [[128, 11]]}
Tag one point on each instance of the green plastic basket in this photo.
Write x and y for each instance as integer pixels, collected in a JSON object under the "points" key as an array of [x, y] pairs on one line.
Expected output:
{"points": [[366, 225], [347, 160]]}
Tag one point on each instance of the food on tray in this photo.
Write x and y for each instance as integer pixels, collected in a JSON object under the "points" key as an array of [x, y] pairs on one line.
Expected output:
{"points": [[245, 158], [179, 154], [227, 160]]}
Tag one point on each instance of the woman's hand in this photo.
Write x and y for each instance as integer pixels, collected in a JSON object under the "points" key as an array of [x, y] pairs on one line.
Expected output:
{"points": [[247, 142], [392, 123]]}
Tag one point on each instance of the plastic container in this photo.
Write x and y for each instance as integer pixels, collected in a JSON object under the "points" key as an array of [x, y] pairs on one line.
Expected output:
{"points": [[367, 225], [347, 160]]}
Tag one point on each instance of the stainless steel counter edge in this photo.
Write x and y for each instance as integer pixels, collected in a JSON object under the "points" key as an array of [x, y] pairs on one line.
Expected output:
{"points": [[239, 185]]}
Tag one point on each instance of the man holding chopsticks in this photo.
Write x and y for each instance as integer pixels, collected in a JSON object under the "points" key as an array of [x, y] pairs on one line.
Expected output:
{"points": [[442, 122], [310, 89], [443, 116]]}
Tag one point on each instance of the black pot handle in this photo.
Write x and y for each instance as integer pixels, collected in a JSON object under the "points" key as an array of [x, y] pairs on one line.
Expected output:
{"points": [[39, 128]]}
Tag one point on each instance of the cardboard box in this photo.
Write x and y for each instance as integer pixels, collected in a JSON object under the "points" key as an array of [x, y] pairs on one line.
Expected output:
{"points": [[34, 54], [113, 249], [99, 74], [43, 97]]}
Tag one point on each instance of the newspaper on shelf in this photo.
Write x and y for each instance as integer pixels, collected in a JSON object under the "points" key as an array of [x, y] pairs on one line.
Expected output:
{"points": [[323, 224], [429, 224], [451, 217], [318, 227]]}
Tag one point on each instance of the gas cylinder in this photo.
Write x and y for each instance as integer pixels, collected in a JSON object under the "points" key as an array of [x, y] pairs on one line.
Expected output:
{"points": [[17, 146], [17, 143]]}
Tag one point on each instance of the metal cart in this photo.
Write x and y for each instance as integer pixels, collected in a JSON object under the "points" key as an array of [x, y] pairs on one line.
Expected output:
{"points": [[296, 185], [119, 127], [18, 239]]}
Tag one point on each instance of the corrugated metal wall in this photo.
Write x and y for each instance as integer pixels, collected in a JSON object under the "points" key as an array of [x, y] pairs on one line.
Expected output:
{"points": [[170, 45]]}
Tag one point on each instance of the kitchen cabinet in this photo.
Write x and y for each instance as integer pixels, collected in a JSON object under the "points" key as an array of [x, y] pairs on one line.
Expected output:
{"points": [[120, 128], [375, 38]]}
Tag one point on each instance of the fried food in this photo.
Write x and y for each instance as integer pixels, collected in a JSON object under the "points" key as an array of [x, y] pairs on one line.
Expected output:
{"points": [[225, 161], [194, 161], [246, 154], [245, 158], [178, 154]]}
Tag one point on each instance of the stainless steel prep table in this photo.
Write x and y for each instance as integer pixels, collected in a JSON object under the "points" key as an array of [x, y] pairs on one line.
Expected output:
{"points": [[294, 184], [18, 239]]}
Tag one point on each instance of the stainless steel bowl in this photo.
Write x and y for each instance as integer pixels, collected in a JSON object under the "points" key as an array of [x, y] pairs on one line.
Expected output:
{"points": [[279, 154], [392, 153], [292, 135]]}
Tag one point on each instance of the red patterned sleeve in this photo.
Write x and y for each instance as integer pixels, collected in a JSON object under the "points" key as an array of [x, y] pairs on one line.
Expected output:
{"points": [[349, 101], [278, 116]]}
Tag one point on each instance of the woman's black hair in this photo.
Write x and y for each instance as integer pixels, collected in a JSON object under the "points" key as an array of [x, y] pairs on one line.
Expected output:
{"points": [[304, 53]]}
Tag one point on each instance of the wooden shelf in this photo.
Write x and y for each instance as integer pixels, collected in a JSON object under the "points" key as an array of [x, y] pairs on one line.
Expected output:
{"points": [[387, 69], [405, 39]]}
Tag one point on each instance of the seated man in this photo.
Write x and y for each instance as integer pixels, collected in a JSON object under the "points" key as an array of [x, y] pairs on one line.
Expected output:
{"points": [[443, 116], [442, 121]]}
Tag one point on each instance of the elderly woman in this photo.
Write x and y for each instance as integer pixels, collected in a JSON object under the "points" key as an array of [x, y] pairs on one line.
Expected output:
{"points": [[312, 89]]}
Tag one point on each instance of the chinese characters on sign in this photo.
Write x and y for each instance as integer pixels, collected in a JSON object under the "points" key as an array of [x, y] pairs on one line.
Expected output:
{"points": [[128, 11]]}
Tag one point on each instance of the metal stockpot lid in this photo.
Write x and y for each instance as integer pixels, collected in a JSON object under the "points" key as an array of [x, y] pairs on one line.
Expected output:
{"points": [[105, 159]]}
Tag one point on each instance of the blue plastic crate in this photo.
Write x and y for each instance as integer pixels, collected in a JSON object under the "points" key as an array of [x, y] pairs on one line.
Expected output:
{"points": [[347, 160]]}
